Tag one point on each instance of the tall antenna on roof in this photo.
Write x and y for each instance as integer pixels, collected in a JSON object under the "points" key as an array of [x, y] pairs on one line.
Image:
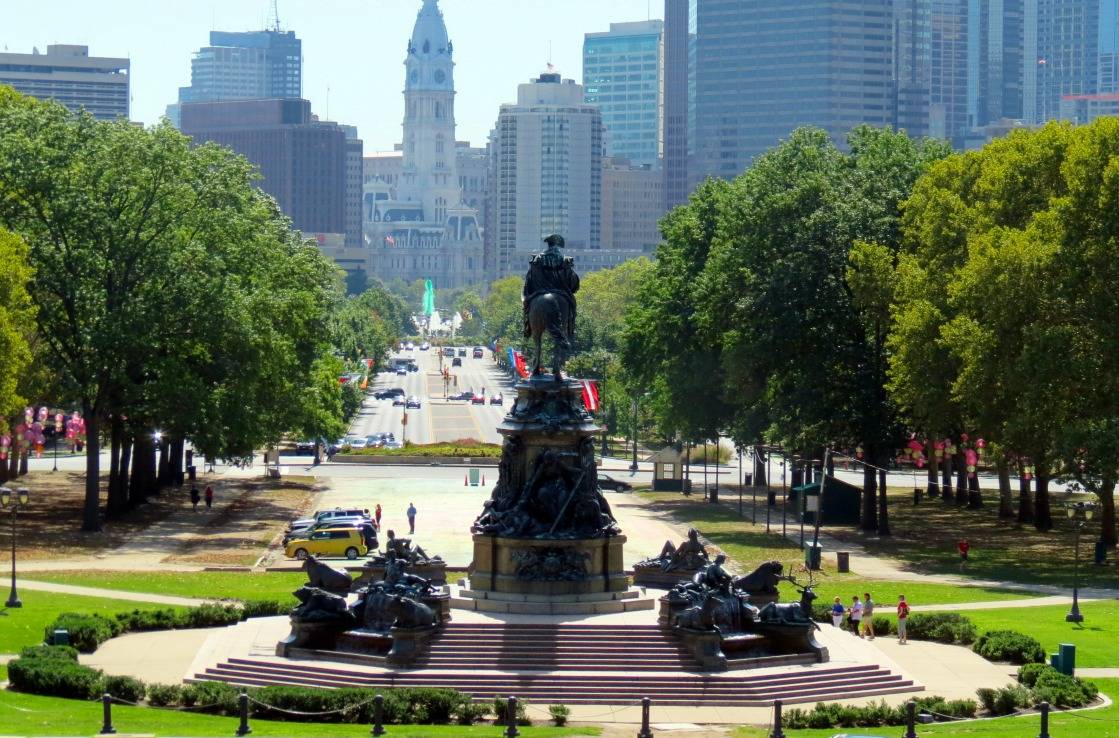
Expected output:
{"points": [[274, 16]]}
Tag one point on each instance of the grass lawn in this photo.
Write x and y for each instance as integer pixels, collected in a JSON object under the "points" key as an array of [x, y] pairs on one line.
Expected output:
{"points": [[748, 545], [1102, 723], [22, 714], [24, 626], [231, 585], [924, 539], [1096, 639]]}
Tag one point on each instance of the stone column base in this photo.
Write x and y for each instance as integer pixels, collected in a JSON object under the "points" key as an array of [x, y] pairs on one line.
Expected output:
{"points": [[548, 566]]}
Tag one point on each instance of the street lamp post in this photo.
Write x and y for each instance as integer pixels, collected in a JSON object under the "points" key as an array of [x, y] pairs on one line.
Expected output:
{"points": [[1079, 513], [633, 466], [22, 497]]}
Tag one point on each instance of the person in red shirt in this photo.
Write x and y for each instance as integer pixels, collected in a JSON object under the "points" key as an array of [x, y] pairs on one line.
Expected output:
{"points": [[963, 547], [903, 617]]}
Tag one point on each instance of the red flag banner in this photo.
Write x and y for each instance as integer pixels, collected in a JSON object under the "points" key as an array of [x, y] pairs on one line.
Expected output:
{"points": [[590, 395], [522, 366]]}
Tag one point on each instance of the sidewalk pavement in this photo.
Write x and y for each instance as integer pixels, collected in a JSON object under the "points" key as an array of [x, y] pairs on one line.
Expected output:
{"points": [[112, 594]]}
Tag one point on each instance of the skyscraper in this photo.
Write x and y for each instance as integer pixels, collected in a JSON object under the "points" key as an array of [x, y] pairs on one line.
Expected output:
{"points": [[546, 172], [1061, 58], [244, 66], [302, 162], [995, 39], [678, 41], [932, 47], [763, 69], [69, 75], [623, 74], [416, 224]]}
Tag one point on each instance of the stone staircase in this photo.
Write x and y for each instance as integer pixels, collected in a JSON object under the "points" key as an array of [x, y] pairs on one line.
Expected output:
{"points": [[573, 664]]}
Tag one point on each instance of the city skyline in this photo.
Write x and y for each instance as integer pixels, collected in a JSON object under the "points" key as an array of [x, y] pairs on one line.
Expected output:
{"points": [[349, 45]]}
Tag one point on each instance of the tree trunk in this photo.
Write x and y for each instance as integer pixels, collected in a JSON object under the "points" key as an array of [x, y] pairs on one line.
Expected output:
{"points": [[143, 468], [946, 480], [178, 445], [883, 517], [91, 522], [1006, 502], [760, 479], [1107, 512], [974, 494], [125, 466], [869, 518], [13, 462], [23, 460], [1043, 516], [163, 474], [1025, 500], [117, 503], [961, 477], [932, 491]]}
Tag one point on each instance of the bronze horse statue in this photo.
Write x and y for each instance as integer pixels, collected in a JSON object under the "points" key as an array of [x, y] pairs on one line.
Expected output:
{"points": [[549, 304]]}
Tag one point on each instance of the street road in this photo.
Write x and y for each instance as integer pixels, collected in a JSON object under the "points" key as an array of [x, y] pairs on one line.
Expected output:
{"points": [[438, 420]]}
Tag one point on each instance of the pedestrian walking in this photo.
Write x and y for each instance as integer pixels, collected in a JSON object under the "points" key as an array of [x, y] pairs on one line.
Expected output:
{"points": [[837, 613], [868, 617], [411, 518], [377, 515], [195, 497], [209, 497], [855, 614], [903, 616], [963, 547]]}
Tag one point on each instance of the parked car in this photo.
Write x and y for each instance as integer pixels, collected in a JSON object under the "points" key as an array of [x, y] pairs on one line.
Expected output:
{"points": [[607, 482], [462, 396], [374, 440], [413, 403], [478, 352], [497, 399], [477, 399], [394, 444], [305, 446], [338, 513], [366, 526], [456, 361], [448, 350], [401, 370], [462, 352], [346, 542], [389, 393], [409, 346], [399, 401], [425, 346]]}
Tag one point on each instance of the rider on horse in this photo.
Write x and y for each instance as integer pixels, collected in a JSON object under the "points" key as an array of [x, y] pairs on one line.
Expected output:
{"points": [[552, 272]]}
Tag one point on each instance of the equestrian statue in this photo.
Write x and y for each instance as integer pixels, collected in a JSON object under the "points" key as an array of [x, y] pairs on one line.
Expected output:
{"points": [[549, 304]]}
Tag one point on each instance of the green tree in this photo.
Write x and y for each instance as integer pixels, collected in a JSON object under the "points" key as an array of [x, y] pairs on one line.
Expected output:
{"points": [[17, 325]]}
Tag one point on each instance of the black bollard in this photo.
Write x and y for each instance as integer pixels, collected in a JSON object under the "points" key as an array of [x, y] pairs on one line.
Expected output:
{"points": [[378, 715], [243, 704], [777, 732], [645, 732], [1044, 707], [107, 710], [511, 731], [910, 719]]}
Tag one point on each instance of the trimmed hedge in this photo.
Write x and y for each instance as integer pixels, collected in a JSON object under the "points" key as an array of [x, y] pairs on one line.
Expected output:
{"points": [[55, 676], [942, 627], [834, 715], [88, 631], [1009, 645], [165, 695], [125, 688], [1028, 673], [1004, 700], [1062, 690]]}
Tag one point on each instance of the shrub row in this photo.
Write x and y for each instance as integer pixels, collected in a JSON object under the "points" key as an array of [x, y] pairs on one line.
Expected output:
{"points": [[834, 715], [1009, 645], [87, 632], [1037, 683], [54, 671]]}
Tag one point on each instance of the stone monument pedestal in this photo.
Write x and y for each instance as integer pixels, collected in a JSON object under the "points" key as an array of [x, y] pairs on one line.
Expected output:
{"points": [[545, 566]]}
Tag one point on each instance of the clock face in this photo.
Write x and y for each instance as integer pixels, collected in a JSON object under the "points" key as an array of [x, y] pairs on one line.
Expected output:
{"points": [[440, 76], [414, 76]]}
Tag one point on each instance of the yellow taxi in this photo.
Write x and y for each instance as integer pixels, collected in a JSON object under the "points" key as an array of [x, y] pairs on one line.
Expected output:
{"points": [[333, 542]]}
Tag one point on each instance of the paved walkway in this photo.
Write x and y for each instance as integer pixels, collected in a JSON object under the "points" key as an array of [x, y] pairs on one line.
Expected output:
{"points": [[113, 594]]}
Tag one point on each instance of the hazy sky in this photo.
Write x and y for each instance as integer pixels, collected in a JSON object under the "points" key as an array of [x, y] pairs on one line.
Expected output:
{"points": [[354, 47]]}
